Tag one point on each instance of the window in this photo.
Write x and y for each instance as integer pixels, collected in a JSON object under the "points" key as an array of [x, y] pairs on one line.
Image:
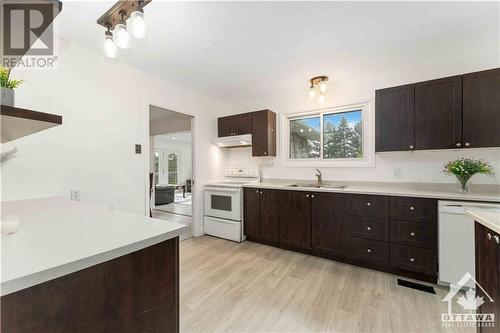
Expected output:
{"points": [[168, 166], [335, 134], [172, 168]]}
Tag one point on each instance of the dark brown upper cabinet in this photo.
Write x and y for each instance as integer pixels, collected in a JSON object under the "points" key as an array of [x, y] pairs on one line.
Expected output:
{"points": [[438, 113], [235, 125], [461, 111], [264, 133], [481, 109], [394, 114]]}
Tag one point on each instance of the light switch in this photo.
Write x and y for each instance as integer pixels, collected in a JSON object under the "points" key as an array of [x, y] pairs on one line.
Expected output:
{"points": [[138, 149]]}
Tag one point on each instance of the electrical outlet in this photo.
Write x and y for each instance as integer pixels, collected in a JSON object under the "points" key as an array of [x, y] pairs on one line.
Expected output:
{"points": [[396, 172], [75, 195]]}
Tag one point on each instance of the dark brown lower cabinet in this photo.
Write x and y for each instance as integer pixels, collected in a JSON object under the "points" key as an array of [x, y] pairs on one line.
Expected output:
{"points": [[295, 219], [138, 292], [330, 224], [488, 273], [261, 214]]}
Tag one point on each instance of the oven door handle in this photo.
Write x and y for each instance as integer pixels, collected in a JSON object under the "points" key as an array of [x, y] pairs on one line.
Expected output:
{"points": [[222, 190]]}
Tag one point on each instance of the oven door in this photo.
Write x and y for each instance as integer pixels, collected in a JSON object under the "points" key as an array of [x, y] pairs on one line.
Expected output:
{"points": [[223, 203]]}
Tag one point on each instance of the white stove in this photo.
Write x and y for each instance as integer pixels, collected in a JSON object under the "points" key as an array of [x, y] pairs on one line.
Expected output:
{"points": [[223, 212]]}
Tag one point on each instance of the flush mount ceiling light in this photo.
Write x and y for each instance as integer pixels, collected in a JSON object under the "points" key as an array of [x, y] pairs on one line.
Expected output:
{"points": [[126, 16], [318, 88]]}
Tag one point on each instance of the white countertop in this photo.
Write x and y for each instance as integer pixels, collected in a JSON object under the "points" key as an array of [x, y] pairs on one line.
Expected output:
{"points": [[57, 237], [488, 193], [488, 218]]}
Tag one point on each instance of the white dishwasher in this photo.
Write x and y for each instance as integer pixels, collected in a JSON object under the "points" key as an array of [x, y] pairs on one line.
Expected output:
{"points": [[456, 240]]}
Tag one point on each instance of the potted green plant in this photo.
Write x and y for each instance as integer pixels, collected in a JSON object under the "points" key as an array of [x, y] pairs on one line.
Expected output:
{"points": [[7, 86], [465, 168]]}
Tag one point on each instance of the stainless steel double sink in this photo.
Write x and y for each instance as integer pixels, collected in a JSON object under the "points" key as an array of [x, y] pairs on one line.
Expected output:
{"points": [[316, 185]]}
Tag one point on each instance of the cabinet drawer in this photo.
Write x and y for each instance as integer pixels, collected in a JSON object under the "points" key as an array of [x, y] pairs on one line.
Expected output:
{"points": [[370, 205], [370, 250], [414, 209], [375, 228], [413, 233], [414, 259]]}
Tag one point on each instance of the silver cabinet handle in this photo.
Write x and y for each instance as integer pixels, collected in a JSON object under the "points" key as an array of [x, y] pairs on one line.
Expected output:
{"points": [[467, 144], [368, 203], [312, 195], [411, 146], [368, 228], [412, 234], [307, 195], [257, 191], [260, 192], [412, 259], [412, 208], [497, 239], [369, 250], [265, 153], [488, 236], [458, 144]]}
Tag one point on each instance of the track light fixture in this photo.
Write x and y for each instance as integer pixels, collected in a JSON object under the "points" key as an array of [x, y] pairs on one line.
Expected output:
{"points": [[124, 19]]}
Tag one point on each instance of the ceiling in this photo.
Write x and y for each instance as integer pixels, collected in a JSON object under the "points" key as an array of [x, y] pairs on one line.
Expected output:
{"points": [[236, 51]]}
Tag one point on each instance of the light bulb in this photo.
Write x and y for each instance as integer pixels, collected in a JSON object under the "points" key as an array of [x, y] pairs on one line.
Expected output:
{"points": [[121, 36], [321, 98], [312, 92], [322, 86], [137, 25], [110, 48]]}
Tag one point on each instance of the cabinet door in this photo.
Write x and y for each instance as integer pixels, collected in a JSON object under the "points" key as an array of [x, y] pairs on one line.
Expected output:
{"points": [[251, 215], [224, 126], [481, 109], [295, 219], [264, 133], [487, 271], [269, 218], [330, 228], [438, 113], [242, 124], [394, 116]]}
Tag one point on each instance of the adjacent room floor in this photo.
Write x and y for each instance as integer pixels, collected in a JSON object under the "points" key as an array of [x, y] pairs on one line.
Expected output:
{"points": [[249, 287], [181, 205]]}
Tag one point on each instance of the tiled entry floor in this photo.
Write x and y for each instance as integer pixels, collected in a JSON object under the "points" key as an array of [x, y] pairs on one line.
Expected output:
{"points": [[249, 287]]}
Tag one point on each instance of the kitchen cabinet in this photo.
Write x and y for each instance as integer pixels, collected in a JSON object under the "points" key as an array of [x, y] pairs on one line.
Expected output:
{"points": [[438, 113], [295, 219], [481, 109], [461, 111], [264, 133], [261, 214], [394, 114], [488, 272], [329, 220], [235, 125]]}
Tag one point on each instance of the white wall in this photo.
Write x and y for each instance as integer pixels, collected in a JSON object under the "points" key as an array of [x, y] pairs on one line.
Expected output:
{"points": [[105, 109], [418, 166]]}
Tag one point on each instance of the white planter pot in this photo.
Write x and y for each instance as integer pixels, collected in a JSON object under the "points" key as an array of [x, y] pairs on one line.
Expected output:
{"points": [[6, 96]]}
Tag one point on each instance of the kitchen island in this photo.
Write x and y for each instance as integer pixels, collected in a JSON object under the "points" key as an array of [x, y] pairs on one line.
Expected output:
{"points": [[77, 267]]}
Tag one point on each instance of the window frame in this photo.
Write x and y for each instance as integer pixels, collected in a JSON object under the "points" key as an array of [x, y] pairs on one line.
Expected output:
{"points": [[368, 148]]}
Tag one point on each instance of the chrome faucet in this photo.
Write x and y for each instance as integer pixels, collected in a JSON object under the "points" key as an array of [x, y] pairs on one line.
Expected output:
{"points": [[320, 178]]}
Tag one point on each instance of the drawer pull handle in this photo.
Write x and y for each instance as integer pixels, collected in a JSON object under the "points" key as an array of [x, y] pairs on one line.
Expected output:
{"points": [[412, 234], [412, 208], [368, 203], [497, 239], [412, 259], [489, 236], [368, 228], [369, 250]]}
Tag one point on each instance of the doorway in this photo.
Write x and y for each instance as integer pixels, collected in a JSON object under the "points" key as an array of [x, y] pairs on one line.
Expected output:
{"points": [[171, 166]]}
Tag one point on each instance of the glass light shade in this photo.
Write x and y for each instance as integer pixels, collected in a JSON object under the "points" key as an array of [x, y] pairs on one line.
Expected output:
{"points": [[323, 87], [321, 98], [121, 36], [137, 25], [312, 92], [110, 48]]}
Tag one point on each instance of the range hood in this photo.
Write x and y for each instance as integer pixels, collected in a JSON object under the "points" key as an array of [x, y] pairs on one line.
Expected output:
{"points": [[244, 140]]}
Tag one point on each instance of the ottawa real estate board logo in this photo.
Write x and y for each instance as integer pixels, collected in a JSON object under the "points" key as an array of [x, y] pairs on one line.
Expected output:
{"points": [[28, 34], [470, 301]]}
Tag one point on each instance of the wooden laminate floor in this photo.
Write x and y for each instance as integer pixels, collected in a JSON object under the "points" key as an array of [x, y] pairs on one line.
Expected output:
{"points": [[249, 287]]}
